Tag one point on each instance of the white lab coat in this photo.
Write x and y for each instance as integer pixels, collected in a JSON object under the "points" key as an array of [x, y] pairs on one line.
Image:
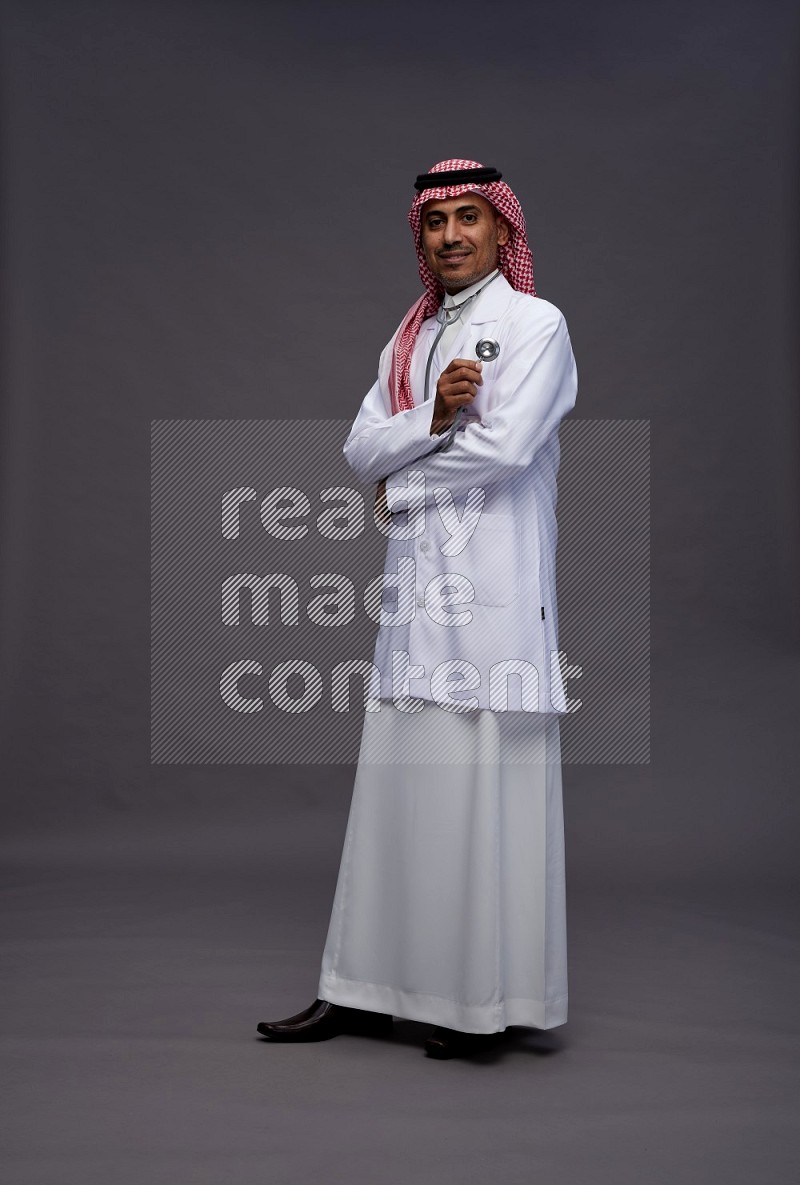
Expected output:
{"points": [[510, 451]]}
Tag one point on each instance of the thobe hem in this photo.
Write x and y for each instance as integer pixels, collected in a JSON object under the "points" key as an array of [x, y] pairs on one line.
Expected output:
{"points": [[436, 1010]]}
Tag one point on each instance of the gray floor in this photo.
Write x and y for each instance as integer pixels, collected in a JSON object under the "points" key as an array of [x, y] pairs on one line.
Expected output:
{"points": [[131, 1054], [142, 948]]}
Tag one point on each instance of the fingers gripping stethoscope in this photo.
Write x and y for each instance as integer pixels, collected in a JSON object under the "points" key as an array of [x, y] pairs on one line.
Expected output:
{"points": [[487, 350]]}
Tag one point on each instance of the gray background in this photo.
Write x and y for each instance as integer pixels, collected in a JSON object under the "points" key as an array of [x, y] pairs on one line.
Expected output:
{"points": [[204, 216]]}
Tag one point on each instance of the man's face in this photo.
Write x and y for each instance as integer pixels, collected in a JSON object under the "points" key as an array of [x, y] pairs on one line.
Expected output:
{"points": [[460, 237]]}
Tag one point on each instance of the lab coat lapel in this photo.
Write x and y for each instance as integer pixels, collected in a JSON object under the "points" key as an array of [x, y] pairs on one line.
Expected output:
{"points": [[486, 310]]}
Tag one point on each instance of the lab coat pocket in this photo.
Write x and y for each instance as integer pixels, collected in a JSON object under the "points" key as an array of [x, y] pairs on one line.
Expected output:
{"points": [[490, 560]]}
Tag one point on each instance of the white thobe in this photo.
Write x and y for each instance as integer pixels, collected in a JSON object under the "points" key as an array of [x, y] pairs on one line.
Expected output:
{"points": [[450, 904]]}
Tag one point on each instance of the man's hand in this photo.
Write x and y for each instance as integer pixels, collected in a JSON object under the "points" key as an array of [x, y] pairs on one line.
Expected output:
{"points": [[458, 385]]}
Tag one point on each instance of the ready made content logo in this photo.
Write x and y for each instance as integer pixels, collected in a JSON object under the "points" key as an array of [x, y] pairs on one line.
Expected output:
{"points": [[273, 570]]}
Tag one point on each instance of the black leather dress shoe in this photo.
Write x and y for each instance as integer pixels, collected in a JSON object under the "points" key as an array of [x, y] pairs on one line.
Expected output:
{"points": [[445, 1043], [322, 1020]]}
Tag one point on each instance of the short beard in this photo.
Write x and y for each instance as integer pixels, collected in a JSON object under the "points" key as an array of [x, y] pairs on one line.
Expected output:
{"points": [[465, 281]]}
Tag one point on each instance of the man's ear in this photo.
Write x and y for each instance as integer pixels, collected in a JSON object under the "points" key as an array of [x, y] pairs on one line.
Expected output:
{"points": [[503, 231]]}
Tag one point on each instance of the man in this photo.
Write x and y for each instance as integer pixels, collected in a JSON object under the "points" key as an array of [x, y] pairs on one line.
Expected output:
{"points": [[450, 902]]}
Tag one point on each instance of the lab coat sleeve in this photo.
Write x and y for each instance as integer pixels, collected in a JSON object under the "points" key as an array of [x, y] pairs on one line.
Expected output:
{"points": [[534, 391], [380, 443]]}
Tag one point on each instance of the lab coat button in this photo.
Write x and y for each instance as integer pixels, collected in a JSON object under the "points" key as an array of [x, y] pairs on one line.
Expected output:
{"points": [[421, 600], [424, 545]]}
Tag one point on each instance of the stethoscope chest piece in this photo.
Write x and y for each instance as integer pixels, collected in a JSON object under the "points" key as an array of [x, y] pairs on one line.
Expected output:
{"points": [[487, 349]]}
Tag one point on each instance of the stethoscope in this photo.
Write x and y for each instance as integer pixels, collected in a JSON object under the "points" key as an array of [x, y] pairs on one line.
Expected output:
{"points": [[486, 349]]}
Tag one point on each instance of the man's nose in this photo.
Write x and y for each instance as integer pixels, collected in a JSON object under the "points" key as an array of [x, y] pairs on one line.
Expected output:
{"points": [[452, 232]]}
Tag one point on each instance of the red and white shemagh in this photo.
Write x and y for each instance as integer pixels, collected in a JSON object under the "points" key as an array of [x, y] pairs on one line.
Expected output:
{"points": [[514, 258]]}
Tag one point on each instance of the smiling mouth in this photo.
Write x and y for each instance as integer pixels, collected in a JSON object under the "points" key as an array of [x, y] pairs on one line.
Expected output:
{"points": [[455, 257]]}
